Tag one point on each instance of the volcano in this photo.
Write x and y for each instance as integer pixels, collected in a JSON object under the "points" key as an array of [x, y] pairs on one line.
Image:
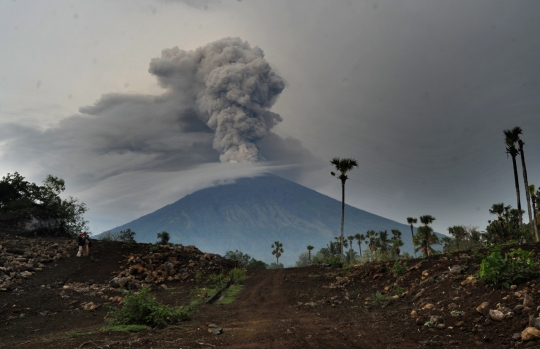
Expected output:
{"points": [[249, 214]]}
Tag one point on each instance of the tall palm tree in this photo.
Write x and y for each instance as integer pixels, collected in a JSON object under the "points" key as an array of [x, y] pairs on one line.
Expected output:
{"points": [[534, 202], [309, 248], [412, 221], [343, 166], [383, 241], [277, 250], [426, 234], [397, 242], [510, 138], [359, 238], [518, 131], [459, 233], [371, 235]]}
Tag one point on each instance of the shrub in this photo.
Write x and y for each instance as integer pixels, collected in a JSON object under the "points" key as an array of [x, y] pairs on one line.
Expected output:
{"points": [[142, 308], [163, 237], [216, 280], [255, 264], [514, 266], [126, 236], [379, 299], [399, 268], [334, 262], [237, 276]]}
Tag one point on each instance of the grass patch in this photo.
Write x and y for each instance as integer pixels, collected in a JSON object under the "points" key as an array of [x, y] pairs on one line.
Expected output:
{"points": [[75, 334], [124, 328], [230, 294], [379, 299]]}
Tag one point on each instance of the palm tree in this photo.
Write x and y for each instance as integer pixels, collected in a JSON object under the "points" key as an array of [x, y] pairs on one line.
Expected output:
{"points": [[343, 166], [309, 248], [383, 241], [426, 235], [359, 238], [533, 198], [518, 131], [510, 139], [412, 221], [447, 240], [397, 242], [277, 250], [459, 233], [371, 235]]}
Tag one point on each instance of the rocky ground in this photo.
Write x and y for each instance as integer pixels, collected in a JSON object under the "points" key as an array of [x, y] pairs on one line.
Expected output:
{"points": [[51, 299]]}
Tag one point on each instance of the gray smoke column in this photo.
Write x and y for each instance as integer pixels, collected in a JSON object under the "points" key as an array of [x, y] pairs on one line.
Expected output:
{"points": [[231, 86]]}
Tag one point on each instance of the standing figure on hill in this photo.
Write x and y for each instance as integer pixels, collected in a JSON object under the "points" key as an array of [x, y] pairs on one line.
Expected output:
{"points": [[81, 244], [87, 245]]}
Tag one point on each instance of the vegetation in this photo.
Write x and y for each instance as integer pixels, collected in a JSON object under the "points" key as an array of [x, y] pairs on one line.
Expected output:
{"points": [[26, 205], [244, 260], [514, 266], [343, 166], [277, 250], [126, 236], [142, 308], [163, 237], [412, 221]]}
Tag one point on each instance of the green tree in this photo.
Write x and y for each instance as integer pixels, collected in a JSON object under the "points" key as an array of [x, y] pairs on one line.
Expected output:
{"points": [[343, 166], [126, 236], [412, 221], [303, 260], [426, 236], [510, 138], [277, 250], [459, 234], [397, 242], [359, 238], [382, 242], [518, 132], [371, 236], [163, 237], [309, 248]]}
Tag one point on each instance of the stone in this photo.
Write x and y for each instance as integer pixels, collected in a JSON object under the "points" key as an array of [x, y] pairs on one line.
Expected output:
{"points": [[518, 308], [436, 319], [414, 314], [516, 336], [428, 306], [452, 306], [530, 333], [483, 308], [460, 323], [528, 301], [496, 315], [513, 287]]}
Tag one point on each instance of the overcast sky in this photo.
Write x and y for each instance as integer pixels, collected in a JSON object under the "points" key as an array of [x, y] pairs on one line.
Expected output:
{"points": [[136, 103]]}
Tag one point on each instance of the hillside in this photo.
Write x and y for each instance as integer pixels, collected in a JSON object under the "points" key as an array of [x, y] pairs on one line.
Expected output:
{"points": [[250, 214]]}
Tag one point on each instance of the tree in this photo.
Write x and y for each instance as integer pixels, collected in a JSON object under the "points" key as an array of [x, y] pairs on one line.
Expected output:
{"points": [[397, 242], [126, 236], [310, 248], [534, 202], [426, 236], [510, 138], [459, 234], [25, 204], [371, 235], [359, 238], [518, 131], [412, 221], [303, 260], [163, 237], [382, 241], [277, 250], [343, 166]]}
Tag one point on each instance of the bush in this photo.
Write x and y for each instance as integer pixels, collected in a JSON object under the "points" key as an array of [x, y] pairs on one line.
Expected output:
{"points": [[163, 237], [216, 280], [256, 265], [142, 308], [126, 236], [334, 262], [514, 266], [399, 268], [237, 276], [379, 299]]}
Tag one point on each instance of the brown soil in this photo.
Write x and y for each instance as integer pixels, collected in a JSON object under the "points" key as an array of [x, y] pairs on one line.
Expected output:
{"points": [[312, 307]]}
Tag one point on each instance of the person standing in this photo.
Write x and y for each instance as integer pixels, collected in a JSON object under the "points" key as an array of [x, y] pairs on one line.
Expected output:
{"points": [[87, 245], [81, 244]]}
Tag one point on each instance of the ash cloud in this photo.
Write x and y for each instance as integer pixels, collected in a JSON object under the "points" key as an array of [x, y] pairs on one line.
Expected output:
{"points": [[232, 86]]}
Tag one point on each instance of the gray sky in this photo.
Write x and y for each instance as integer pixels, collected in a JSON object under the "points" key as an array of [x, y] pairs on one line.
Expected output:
{"points": [[418, 92]]}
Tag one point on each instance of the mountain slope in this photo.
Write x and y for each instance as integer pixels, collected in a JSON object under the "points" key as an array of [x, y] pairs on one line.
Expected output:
{"points": [[252, 213]]}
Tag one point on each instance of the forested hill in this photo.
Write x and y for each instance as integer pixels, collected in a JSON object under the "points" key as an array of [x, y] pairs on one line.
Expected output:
{"points": [[252, 213]]}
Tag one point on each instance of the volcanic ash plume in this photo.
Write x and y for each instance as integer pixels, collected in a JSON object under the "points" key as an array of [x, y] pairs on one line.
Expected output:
{"points": [[232, 87]]}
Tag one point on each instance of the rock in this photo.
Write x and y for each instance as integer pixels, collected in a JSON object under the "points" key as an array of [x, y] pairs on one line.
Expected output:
{"points": [[483, 308], [528, 301], [518, 308], [455, 269], [460, 323], [452, 306], [428, 306], [516, 336], [530, 333], [496, 315], [414, 314], [513, 287], [436, 319]]}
